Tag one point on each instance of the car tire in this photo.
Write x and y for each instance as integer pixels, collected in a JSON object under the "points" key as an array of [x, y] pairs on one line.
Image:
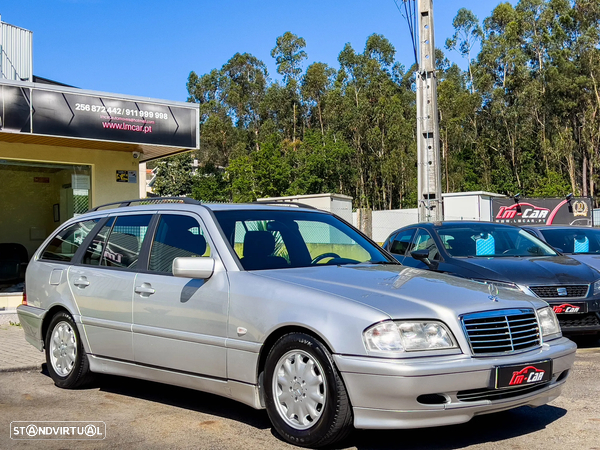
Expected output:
{"points": [[66, 359], [305, 396]]}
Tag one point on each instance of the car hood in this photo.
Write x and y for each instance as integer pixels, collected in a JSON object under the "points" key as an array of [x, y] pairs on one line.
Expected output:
{"points": [[403, 292], [527, 271], [590, 260]]}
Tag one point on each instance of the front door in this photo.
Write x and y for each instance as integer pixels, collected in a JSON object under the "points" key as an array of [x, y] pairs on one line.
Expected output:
{"points": [[180, 323], [422, 241]]}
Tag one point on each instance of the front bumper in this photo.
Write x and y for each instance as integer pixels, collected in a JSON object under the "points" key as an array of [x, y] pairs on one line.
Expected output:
{"points": [[577, 323], [384, 392], [31, 319]]}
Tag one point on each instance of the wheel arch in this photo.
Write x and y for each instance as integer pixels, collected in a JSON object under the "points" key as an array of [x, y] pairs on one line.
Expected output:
{"points": [[48, 318], [277, 334]]}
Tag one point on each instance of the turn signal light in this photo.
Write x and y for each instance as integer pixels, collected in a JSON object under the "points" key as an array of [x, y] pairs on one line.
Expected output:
{"points": [[24, 302]]}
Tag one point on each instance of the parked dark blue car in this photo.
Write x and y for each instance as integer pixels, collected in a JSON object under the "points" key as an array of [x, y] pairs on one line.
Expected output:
{"points": [[506, 256]]}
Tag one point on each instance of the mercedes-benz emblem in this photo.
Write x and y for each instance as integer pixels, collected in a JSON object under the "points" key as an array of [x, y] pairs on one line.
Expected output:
{"points": [[493, 290]]}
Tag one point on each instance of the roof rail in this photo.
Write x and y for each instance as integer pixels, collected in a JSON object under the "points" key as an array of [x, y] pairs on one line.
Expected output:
{"points": [[284, 203], [149, 201]]}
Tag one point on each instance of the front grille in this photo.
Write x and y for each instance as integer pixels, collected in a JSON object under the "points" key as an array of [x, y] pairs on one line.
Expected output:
{"points": [[579, 320], [501, 332], [572, 291], [497, 394]]}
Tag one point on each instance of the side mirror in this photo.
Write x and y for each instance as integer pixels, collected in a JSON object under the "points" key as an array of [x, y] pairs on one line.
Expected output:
{"points": [[201, 267], [423, 256]]}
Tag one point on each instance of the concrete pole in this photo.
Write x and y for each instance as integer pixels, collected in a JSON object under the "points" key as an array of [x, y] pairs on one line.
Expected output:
{"points": [[428, 133]]}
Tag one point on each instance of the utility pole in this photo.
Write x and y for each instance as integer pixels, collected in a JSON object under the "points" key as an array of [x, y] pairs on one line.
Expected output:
{"points": [[428, 133]]}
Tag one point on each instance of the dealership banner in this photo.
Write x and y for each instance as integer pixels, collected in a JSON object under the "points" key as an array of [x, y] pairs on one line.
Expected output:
{"points": [[56, 113], [543, 211]]}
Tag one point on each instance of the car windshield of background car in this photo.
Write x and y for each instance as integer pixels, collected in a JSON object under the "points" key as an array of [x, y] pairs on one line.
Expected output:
{"points": [[487, 240], [574, 241]]}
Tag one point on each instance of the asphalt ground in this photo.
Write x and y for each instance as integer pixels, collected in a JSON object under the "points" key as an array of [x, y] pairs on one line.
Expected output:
{"points": [[146, 415]]}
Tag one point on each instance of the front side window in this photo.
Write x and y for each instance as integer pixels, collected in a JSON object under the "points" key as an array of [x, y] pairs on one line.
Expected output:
{"points": [[258, 243], [490, 240], [64, 245], [401, 242], [278, 239], [176, 236], [424, 241]]}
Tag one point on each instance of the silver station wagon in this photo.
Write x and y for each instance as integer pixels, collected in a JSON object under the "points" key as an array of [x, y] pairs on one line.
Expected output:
{"points": [[285, 308]]}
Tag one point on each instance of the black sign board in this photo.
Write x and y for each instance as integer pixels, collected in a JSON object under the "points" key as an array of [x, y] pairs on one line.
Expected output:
{"points": [[14, 109], [55, 113], [543, 211]]}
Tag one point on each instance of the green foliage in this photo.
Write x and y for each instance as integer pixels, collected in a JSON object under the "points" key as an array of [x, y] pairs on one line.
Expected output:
{"points": [[289, 53], [524, 116], [209, 185], [174, 176], [261, 173], [320, 164]]}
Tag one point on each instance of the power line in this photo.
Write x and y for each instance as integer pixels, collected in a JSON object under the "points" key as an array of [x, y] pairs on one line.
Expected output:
{"points": [[410, 15]]}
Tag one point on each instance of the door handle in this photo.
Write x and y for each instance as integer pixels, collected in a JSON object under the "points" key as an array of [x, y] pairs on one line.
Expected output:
{"points": [[145, 290], [81, 282]]}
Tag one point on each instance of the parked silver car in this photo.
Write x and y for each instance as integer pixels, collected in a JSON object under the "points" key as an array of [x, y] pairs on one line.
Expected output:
{"points": [[288, 309]]}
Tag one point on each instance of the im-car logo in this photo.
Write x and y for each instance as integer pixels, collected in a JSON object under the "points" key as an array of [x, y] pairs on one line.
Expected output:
{"points": [[529, 374], [566, 308], [523, 210]]}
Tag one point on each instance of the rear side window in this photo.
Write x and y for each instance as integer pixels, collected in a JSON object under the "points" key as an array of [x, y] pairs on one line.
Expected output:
{"points": [[176, 236], [118, 243], [125, 241], [94, 252], [64, 245]]}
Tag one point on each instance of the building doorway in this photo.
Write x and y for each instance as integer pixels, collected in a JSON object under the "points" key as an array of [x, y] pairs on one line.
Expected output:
{"points": [[35, 198]]}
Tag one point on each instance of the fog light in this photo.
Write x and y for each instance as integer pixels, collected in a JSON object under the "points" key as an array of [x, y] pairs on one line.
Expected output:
{"points": [[432, 399]]}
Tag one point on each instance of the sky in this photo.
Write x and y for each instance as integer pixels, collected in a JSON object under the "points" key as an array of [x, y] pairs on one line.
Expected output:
{"points": [[149, 48]]}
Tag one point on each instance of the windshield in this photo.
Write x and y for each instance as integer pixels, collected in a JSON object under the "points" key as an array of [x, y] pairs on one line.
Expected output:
{"points": [[490, 240], [271, 239], [574, 241]]}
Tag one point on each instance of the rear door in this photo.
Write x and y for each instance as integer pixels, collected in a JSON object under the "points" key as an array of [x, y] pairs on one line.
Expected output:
{"points": [[102, 284], [180, 323]]}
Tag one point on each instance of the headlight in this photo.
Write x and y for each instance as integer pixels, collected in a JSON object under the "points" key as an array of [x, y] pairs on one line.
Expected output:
{"points": [[548, 321], [597, 287], [391, 338]]}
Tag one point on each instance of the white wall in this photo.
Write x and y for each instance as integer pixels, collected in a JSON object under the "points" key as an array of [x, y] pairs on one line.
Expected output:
{"points": [[341, 205], [384, 222], [461, 208], [469, 206]]}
